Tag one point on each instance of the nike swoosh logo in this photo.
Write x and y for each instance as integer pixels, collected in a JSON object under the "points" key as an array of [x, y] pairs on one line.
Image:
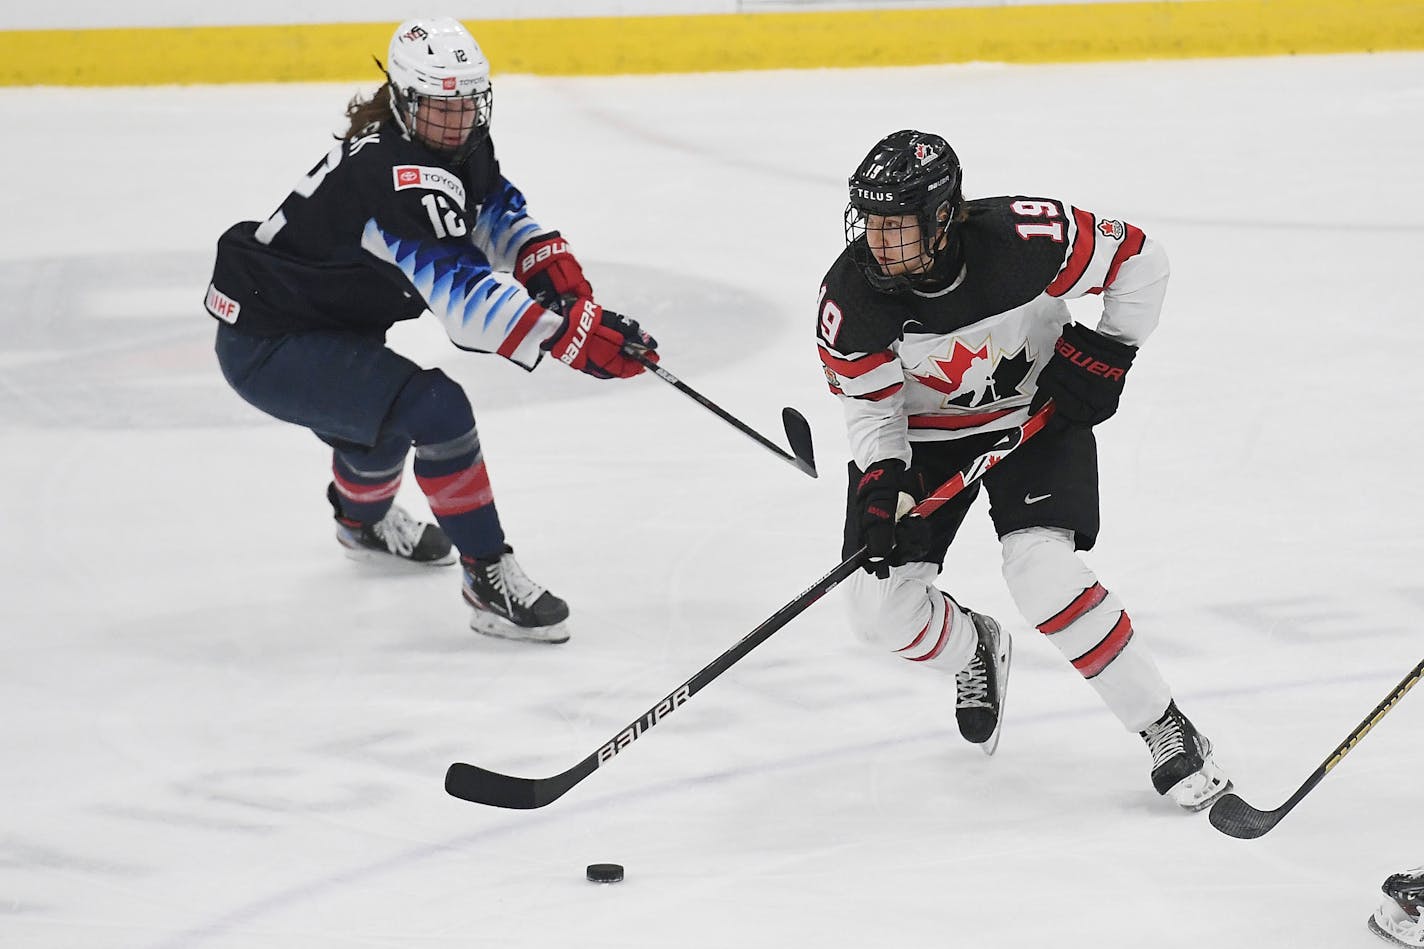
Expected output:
{"points": [[1030, 499]]}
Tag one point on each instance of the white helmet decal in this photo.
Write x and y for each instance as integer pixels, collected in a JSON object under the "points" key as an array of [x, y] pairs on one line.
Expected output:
{"points": [[437, 56]]}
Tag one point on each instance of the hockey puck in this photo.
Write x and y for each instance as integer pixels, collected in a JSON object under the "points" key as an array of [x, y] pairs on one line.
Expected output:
{"points": [[604, 873]]}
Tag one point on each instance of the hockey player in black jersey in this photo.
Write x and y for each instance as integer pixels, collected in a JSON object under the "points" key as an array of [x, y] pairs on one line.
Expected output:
{"points": [[409, 212], [941, 324]]}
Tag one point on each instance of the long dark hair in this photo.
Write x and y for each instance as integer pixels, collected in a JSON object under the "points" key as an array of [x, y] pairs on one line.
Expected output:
{"points": [[362, 113]]}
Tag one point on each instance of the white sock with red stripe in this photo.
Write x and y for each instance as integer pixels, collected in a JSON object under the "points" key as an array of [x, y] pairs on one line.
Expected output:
{"points": [[1056, 592], [909, 616]]}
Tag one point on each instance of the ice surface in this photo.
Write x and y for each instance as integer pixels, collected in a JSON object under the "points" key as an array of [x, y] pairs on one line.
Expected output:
{"points": [[221, 734]]}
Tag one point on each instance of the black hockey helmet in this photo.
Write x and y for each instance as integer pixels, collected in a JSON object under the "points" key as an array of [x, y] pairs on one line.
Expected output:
{"points": [[907, 172]]}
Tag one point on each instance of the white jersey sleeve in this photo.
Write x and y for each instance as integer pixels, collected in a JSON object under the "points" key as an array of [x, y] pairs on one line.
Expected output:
{"points": [[1116, 259], [871, 387], [478, 310]]}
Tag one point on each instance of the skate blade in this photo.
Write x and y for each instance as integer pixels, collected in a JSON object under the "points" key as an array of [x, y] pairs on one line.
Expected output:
{"points": [[1197, 791], [489, 624], [1386, 935], [382, 558], [992, 745]]}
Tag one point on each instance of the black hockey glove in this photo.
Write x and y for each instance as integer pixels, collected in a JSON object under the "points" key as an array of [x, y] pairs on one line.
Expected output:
{"points": [[885, 492], [1084, 377]]}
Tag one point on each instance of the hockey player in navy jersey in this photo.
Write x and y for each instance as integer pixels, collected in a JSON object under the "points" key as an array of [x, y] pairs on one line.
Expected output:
{"points": [[409, 212], [940, 325]]}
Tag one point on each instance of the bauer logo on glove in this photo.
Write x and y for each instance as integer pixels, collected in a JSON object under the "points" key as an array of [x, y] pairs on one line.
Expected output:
{"points": [[601, 343]]}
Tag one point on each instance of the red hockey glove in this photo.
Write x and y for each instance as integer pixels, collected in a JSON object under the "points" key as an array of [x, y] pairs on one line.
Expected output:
{"points": [[885, 492], [550, 271], [598, 341], [1084, 378]]}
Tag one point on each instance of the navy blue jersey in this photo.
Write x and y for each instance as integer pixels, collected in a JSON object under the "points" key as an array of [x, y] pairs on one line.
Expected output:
{"points": [[380, 230]]}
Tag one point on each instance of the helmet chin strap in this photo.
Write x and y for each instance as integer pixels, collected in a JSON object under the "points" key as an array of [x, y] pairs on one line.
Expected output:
{"points": [[396, 100], [946, 259]]}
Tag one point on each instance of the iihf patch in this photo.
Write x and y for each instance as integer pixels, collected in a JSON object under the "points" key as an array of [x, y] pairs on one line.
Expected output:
{"points": [[1114, 229], [831, 378], [221, 305]]}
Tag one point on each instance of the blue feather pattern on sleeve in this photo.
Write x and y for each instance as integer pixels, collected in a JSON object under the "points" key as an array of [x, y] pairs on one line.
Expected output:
{"points": [[456, 281], [503, 225]]}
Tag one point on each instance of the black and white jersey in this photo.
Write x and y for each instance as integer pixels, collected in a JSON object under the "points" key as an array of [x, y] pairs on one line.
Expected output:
{"points": [[380, 230], [922, 366]]}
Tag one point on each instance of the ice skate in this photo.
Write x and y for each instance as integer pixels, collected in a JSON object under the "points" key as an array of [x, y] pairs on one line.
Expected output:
{"points": [[396, 536], [980, 687], [1182, 767], [1397, 920], [509, 605]]}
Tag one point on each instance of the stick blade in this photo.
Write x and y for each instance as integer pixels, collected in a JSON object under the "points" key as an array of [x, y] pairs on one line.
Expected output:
{"points": [[479, 786], [798, 435], [1235, 818]]}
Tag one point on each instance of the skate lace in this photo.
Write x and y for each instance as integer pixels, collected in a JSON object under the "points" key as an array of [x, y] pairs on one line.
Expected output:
{"points": [[1165, 740], [399, 531], [972, 684], [512, 583]]}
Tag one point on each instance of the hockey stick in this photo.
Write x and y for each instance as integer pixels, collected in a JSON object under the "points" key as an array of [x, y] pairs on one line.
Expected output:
{"points": [[1235, 818], [481, 786], [798, 432]]}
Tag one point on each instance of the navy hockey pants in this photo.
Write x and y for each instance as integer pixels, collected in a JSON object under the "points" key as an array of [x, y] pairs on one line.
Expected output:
{"points": [[371, 404]]}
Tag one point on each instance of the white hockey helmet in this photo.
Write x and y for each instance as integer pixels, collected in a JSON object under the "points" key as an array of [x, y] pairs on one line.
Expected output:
{"points": [[437, 58]]}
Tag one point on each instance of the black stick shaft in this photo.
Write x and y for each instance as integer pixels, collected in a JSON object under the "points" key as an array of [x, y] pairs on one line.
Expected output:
{"points": [[1233, 816], [803, 464], [1361, 730], [481, 786]]}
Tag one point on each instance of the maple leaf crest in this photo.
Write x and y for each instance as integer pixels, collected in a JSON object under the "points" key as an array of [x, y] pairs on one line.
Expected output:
{"points": [[971, 378], [954, 369]]}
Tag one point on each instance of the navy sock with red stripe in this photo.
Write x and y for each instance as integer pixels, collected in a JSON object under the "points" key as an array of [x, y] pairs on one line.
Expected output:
{"points": [[366, 487], [459, 493], [432, 413]]}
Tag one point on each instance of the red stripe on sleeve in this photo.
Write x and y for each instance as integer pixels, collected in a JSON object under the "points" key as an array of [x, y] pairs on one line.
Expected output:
{"points": [[880, 394], [1078, 258], [850, 368], [1098, 658], [1131, 247], [521, 330], [1081, 604]]}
